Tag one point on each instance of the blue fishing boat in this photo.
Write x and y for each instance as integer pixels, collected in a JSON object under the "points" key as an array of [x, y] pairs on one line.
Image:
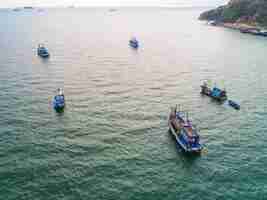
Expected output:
{"points": [[42, 51], [134, 43], [215, 92], [234, 104], [184, 132], [59, 100]]}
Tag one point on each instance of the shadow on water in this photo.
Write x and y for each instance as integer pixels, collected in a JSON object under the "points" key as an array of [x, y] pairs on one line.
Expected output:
{"points": [[218, 102], [213, 100], [59, 111], [134, 49]]}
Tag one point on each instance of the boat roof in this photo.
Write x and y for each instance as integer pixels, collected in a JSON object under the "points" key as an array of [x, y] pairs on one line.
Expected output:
{"points": [[217, 91]]}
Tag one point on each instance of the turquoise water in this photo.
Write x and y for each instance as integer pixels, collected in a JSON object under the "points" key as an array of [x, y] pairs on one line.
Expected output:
{"points": [[112, 141]]}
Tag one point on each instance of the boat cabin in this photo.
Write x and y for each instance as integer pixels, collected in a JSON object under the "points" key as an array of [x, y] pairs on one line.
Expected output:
{"points": [[215, 93]]}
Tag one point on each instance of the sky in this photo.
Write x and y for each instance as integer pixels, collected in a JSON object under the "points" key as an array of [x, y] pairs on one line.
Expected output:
{"points": [[171, 3]]}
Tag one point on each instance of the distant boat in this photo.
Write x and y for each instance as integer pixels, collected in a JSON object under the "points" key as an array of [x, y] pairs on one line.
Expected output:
{"points": [[134, 43], [59, 100], [215, 92], [184, 132], [28, 7], [254, 31], [262, 33], [42, 51], [234, 105], [249, 30], [112, 10], [213, 23]]}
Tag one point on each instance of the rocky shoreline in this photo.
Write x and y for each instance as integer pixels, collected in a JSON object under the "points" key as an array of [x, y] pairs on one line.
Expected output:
{"points": [[242, 27], [244, 15]]}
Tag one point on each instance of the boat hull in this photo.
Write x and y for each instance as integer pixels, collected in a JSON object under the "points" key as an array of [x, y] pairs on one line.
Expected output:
{"points": [[181, 144], [59, 108], [134, 45], [43, 55]]}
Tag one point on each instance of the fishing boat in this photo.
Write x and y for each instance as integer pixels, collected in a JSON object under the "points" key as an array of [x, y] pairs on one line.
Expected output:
{"points": [[234, 105], [215, 92], [213, 23], [112, 10], [263, 33], [59, 100], [254, 31], [28, 7], [184, 132], [42, 51], [134, 43]]}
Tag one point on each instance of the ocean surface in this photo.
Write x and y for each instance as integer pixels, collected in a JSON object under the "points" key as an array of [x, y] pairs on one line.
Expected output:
{"points": [[112, 141]]}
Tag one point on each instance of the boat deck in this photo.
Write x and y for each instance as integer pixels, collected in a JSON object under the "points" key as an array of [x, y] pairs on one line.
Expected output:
{"points": [[177, 125]]}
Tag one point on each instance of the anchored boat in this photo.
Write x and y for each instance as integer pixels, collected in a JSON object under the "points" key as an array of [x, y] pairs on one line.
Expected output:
{"points": [[28, 7], [42, 51], [59, 100], [215, 92], [134, 43], [112, 10], [184, 132]]}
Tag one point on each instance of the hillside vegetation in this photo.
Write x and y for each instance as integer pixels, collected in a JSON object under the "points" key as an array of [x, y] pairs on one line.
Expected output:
{"points": [[243, 11]]}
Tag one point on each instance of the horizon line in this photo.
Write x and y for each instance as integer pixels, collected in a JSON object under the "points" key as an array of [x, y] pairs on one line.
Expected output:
{"points": [[110, 6]]}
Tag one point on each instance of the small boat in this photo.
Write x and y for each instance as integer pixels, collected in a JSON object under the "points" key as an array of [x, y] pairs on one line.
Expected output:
{"points": [[263, 33], [28, 7], [234, 104], [42, 51], [213, 23], [254, 31], [215, 92], [184, 132], [249, 30], [112, 10], [59, 100], [134, 43]]}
